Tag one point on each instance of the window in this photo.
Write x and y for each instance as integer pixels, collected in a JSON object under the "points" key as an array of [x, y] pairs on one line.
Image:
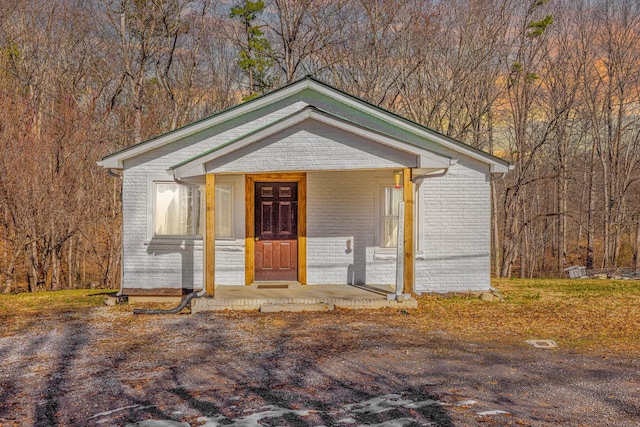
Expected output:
{"points": [[391, 196], [178, 210], [224, 211]]}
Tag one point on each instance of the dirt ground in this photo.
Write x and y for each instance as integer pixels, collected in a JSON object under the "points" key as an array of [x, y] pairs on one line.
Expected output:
{"points": [[107, 367]]}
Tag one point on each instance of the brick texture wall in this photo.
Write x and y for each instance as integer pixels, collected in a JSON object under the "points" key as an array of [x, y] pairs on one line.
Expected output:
{"points": [[457, 236], [341, 211]]}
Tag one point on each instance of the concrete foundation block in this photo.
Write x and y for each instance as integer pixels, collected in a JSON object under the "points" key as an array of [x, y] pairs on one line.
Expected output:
{"points": [[295, 308]]}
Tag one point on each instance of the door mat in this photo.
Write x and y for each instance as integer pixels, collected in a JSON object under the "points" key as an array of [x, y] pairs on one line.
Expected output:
{"points": [[273, 286]]}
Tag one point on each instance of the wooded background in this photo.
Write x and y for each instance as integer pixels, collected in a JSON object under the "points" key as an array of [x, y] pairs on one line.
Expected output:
{"points": [[551, 86]]}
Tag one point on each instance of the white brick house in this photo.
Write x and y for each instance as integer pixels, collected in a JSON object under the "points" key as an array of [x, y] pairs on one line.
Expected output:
{"points": [[303, 185]]}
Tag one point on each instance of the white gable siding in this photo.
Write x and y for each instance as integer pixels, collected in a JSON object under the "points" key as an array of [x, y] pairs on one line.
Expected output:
{"points": [[357, 116], [162, 158], [310, 146]]}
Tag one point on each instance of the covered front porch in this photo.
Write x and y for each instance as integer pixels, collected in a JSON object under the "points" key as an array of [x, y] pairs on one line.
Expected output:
{"points": [[319, 204], [273, 297], [338, 238]]}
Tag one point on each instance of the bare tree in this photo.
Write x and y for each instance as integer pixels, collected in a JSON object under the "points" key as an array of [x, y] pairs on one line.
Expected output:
{"points": [[612, 83], [304, 34]]}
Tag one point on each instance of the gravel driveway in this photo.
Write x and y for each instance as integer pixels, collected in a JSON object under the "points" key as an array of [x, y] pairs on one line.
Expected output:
{"points": [[107, 367]]}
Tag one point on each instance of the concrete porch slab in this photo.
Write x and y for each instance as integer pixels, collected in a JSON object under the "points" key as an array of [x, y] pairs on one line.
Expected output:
{"points": [[295, 308], [250, 298]]}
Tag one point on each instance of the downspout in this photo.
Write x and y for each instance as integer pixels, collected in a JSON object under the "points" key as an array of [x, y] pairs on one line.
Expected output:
{"points": [[110, 172], [113, 174], [186, 301]]}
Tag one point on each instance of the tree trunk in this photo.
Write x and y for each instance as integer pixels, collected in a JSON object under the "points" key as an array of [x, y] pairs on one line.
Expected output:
{"points": [[636, 254], [55, 270], [8, 271], [591, 197], [509, 243], [70, 264], [32, 273], [8, 278]]}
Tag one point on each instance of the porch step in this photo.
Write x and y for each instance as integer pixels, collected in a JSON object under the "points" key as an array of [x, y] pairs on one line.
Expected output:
{"points": [[295, 308], [200, 305]]}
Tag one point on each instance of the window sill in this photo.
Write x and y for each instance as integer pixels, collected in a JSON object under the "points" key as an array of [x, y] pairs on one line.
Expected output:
{"points": [[384, 253], [183, 242], [194, 243], [381, 254]]}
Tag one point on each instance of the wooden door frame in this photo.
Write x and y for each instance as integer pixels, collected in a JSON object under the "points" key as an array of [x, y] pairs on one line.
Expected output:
{"points": [[249, 205]]}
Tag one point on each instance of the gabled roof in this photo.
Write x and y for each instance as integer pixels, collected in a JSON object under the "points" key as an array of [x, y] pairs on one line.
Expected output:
{"points": [[196, 165], [116, 160]]}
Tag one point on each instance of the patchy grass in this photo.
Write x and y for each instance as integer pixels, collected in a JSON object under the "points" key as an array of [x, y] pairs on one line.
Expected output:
{"points": [[587, 315], [582, 315], [52, 301], [21, 310]]}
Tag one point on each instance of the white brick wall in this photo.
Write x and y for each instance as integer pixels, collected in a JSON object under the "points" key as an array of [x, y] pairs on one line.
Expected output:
{"points": [[456, 231], [341, 209], [341, 228], [340, 244]]}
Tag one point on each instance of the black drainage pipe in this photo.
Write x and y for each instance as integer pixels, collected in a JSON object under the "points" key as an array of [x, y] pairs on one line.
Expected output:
{"points": [[186, 301]]}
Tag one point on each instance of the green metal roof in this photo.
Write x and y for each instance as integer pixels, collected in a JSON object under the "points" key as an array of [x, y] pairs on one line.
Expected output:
{"points": [[257, 100]]}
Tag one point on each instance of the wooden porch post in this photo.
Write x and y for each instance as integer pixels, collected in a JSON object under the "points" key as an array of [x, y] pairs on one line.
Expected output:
{"points": [[407, 196], [209, 235]]}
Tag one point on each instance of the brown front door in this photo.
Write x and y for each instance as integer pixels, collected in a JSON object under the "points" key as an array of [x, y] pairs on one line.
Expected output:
{"points": [[276, 231]]}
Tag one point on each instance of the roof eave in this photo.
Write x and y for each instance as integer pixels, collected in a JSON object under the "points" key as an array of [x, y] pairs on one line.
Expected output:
{"points": [[116, 160], [118, 157], [499, 168], [411, 126], [196, 165]]}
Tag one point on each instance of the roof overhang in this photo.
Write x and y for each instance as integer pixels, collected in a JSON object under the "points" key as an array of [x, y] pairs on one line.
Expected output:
{"points": [[197, 165], [116, 160]]}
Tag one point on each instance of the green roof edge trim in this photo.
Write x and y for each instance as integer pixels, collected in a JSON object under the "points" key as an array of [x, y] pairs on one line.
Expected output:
{"points": [[282, 119], [326, 85], [204, 119]]}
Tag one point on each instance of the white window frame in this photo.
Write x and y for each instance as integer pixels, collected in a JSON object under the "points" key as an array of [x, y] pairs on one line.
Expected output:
{"points": [[237, 240], [194, 221], [380, 252], [383, 206], [233, 243], [232, 236]]}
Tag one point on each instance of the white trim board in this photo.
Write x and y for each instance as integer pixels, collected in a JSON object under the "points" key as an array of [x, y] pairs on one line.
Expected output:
{"points": [[116, 160], [197, 165]]}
